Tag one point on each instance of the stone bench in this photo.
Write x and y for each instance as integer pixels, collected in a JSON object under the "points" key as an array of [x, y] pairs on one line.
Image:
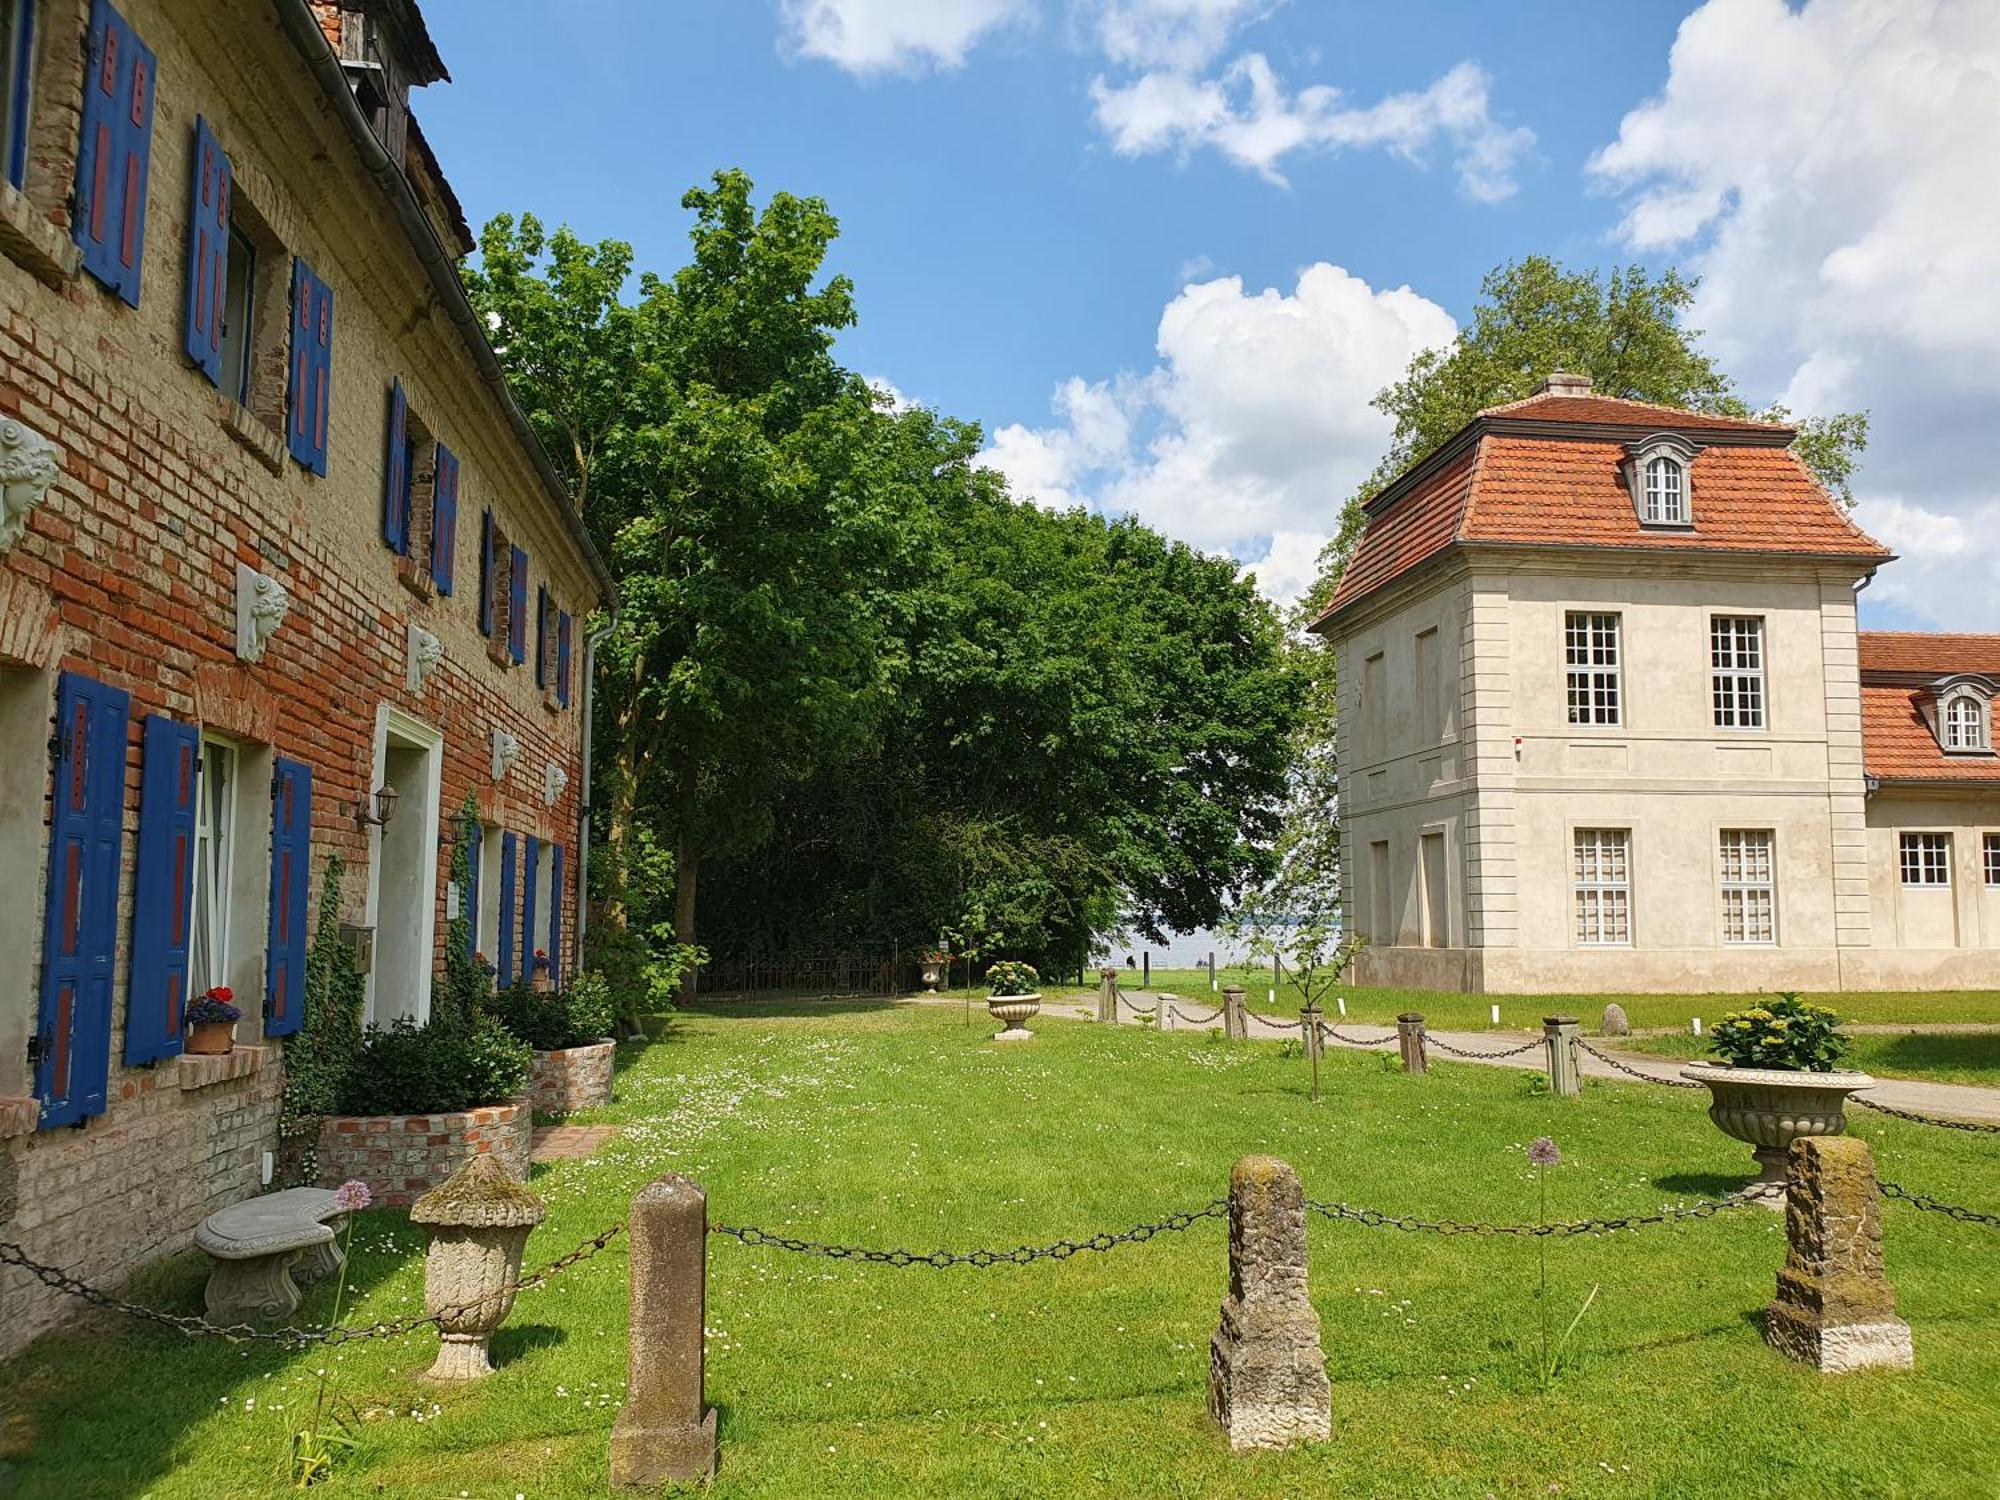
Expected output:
{"points": [[264, 1249]]}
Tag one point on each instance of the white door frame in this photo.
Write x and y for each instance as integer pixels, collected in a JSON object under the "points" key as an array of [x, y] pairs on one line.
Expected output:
{"points": [[420, 802]]}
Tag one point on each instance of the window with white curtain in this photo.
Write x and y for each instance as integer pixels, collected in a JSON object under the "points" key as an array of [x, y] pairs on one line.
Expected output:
{"points": [[1603, 867], [214, 848], [1749, 887]]}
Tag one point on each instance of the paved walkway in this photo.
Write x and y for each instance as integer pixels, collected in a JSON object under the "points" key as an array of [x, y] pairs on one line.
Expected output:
{"points": [[568, 1142], [1955, 1101]]}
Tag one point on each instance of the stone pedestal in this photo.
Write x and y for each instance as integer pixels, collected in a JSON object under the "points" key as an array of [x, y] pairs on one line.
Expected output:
{"points": [[478, 1223], [1234, 1025], [1107, 996], [1410, 1042], [1267, 1385], [665, 1431], [1835, 1310], [1167, 1003], [1559, 1034]]}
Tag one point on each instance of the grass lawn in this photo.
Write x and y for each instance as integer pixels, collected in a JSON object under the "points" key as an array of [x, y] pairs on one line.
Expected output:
{"points": [[905, 1127], [1942, 1057]]}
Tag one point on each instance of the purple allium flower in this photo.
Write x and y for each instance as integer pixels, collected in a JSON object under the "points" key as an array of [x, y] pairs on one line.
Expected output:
{"points": [[352, 1196], [1542, 1152]]}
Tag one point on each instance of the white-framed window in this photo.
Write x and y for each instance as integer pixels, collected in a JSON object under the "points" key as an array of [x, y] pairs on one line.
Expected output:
{"points": [[17, 85], [1749, 886], [1736, 658], [1962, 717], [1926, 858], [1603, 869], [1990, 848], [1665, 502], [214, 863], [1590, 644]]}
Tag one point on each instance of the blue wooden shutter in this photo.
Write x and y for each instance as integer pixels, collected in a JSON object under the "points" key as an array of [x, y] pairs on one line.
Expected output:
{"points": [[114, 152], [312, 368], [20, 80], [517, 607], [475, 835], [163, 892], [562, 657], [486, 561], [541, 635], [80, 932], [396, 473], [208, 252], [291, 874], [444, 520], [530, 874], [556, 915], [504, 959]]}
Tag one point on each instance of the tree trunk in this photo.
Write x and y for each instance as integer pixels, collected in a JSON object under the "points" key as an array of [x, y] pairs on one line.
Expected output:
{"points": [[687, 866], [618, 834]]}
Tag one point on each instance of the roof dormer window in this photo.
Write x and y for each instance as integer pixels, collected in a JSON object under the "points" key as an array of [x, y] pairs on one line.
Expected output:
{"points": [[1962, 719], [1658, 474]]}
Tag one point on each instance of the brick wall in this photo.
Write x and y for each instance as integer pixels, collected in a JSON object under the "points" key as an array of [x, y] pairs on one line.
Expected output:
{"points": [[402, 1157], [572, 1078], [127, 573]]}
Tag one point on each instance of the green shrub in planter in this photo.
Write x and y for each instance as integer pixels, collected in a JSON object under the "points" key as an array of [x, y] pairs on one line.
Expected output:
{"points": [[548, 1022], [1011, 977], [1789, 1034], [456, 1062]]}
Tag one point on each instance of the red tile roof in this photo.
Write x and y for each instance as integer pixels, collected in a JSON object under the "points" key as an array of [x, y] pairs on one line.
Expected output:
{"points": [[1932, 656], [1897, 743], [1508, 479]]}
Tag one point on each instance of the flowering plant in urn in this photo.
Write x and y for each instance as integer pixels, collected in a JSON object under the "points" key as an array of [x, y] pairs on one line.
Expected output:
{"points": [[1012, 998]]}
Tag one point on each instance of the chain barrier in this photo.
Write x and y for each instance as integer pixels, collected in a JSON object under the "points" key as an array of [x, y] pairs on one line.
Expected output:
{"points": [[1136, 1008], [1021, 1255], [1352, 1041], [1605, 1057], [1181, 1015], [192, 1326], [1431, 1040], [1273, 1025], [1376, 1219], [1932, 1205], [1978, 1127]]}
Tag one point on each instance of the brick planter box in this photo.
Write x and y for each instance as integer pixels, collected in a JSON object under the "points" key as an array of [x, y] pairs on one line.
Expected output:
{"points": [[574, 1078], [402, 1157]]}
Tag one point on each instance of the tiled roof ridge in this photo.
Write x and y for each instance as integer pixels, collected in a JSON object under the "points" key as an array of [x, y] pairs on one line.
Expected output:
{"points": [[1699, 418]]}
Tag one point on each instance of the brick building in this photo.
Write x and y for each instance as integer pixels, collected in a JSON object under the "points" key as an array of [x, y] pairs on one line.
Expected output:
{"points": [[273, 539]]}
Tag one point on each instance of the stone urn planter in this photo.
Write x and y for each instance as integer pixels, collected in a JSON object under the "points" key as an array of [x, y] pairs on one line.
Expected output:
{"points": [[933, 973], [1769, 1108], [478, 1223], [1012, 1011]]}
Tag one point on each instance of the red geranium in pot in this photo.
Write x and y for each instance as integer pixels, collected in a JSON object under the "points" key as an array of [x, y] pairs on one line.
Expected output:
{"points": [[211, 1022]]}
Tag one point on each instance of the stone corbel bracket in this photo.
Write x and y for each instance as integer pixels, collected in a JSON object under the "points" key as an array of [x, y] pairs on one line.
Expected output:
{"points": [[261, 603], [28, 471], [555, 780], [506, 750], [425, 653]]}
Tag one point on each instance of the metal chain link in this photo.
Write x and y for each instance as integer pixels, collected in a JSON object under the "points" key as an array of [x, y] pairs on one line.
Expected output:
{"points": [[1182, 1015], [1136, 1008], [1605, 1057], [1270, 1025], [1932, 1205], [1352, 1041], [1977, 1126], [1446, 1047], [943, 1259], [192, 1326], [1374, 1218]]}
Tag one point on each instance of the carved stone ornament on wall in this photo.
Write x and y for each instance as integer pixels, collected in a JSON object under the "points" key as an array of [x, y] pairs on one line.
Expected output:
{"points": [[554, 781], [426, 652], [27, 472], [506, 750], [261, 602]]}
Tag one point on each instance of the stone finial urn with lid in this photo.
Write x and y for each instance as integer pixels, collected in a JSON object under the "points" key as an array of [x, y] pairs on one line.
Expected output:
{"points": [[478, 1221]]}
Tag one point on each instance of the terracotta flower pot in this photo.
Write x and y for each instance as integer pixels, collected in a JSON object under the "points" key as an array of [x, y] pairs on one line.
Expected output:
{"points": [[1012, 1011], [211, 1038], [1769, 1108]]}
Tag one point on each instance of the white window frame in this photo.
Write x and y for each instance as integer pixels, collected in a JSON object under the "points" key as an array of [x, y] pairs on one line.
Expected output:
{"points": [[1594, 673], [1737, 679], [1962, 723], [211, 910], [1925, 856], [1989, 848], [1748, 867], [1664, 486], [1601, 887]]}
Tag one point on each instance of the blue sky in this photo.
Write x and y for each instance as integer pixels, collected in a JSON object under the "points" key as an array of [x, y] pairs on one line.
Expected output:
{"points": [[1164, 249]]}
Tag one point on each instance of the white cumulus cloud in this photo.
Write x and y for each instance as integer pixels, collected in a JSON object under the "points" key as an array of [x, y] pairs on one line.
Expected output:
{"points": [[1828, 170], [1181, 34], [875, 36], [1250, 432]]}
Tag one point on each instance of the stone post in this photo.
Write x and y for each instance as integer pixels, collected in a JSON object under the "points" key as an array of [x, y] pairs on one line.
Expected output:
{"points": [[1267, 1385], [1309, 1019], [1107, 996], [1835, 1310], [1167, 1003], [1559, 1035], [1410, 1041], [478, 1221], [665, 1430], [1234, 1026]]}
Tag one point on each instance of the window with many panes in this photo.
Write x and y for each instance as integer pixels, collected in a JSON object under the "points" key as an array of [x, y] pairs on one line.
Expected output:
{"points": [[1736, 657], [1991, 848], [1964, 718], [1749, 886], [1926, 858], [1590, 643], [1603, 871], [1665, 492]]}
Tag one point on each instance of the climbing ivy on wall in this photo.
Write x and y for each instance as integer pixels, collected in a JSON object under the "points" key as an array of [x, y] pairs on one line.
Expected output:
{"points": [[319, 1058]]}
